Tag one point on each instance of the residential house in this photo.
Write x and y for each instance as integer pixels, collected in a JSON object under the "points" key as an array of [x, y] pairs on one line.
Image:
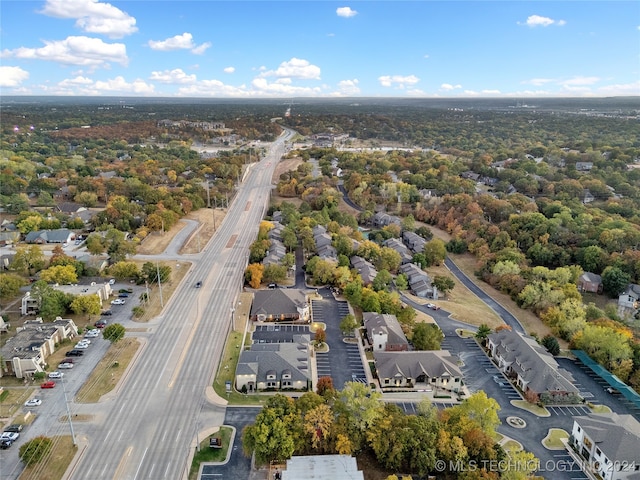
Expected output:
{"points": [[365, 269], [629, 299], [384, 332], [414, 241], [426, 369], [26, 353], [609, 443], [280, 305], [587, 197], [533, 369], [420, 282], [397, 245], [382, 219], [584, 166], [469, 175], [590, 282], [276, 366], [60, 235], [275, 254], [321, 467], [94, 262]]}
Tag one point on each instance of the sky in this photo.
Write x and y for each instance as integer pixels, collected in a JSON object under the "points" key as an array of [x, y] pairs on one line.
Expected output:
{"points": [[306, 48]]}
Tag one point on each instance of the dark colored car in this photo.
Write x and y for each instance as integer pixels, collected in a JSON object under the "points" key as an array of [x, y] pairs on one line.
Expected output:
{"points": [[14, 427], [5, 443], [107, 313], [74, 353], [101, 324], [125, 290], [123, 295], [198, 284], [49, 384]]}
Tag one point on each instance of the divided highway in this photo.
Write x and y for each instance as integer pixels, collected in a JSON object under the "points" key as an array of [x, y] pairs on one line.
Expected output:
{"points": [[151, 425]]}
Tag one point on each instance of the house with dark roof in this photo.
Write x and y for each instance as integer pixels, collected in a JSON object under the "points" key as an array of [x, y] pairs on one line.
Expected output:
{"points": [[365, 269], [590, 282], [422, 370], [275, 366], [280, 305], [420, 282], [397, 245], [60, 235], [532, 368], [382, 219], [275, 254], [414, 241], [384, 332], [26, 353], [609, 443]]}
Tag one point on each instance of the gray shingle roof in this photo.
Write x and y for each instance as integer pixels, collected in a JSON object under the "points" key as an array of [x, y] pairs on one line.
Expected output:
{"points": [[432, 363], [385, 323], [617, 436]]}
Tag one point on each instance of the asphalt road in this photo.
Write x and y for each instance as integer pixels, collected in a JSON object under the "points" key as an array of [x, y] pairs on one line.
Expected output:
{"points": [[150, 427]]}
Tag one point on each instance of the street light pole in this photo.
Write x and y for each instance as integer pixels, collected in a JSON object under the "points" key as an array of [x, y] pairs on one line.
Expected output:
{"points": [[159, 284], [66, 403]]}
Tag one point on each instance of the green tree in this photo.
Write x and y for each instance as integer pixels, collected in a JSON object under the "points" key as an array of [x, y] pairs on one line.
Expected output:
{"points": [[29, 224], [113, 332], [401, 282], [435, 252], [274, 273], [124, 270], [482, 410], [35, 450], [95, 244], [348, 324], [614, 281], [551, 344], [426, 336], [270, 437], [28, 260], [86, 304], [483, 332], [358, 408], [10, 285], [155, 273], [382, 281], [443, 283], [61, 274]]}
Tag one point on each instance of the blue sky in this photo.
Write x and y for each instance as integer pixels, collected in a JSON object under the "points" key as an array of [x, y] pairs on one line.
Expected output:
{"points": [[269, 49]]}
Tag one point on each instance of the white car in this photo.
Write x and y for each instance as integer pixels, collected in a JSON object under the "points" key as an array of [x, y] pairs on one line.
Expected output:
{"points": [[85, 340], [117, 301], [11, 436], [112, 281], [91, 335], [56, 374], [34, 402], [65, 365], [81, 346]]}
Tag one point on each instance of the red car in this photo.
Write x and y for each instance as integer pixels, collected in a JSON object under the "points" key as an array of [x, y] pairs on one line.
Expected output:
{"points": [[49, 384]]}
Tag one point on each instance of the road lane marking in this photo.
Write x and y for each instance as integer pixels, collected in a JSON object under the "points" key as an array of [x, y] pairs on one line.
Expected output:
{"points": [[126, 454]]}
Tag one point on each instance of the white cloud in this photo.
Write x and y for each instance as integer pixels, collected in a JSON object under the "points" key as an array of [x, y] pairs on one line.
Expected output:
{"points": [[119, 84], [539, 21], [425, 56], [78, 81], [625, 89], [175, 76], [80, 50], [179, 42], [579, 81], [538, 81], [229, 69], [294, 68], [490, 92], [398, 80], [200, 49], [93, 16], [449, 87], [348, 87], [12, 76], [346, 12]]}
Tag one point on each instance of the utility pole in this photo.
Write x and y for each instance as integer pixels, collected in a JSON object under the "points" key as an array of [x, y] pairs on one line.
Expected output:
{"points": [[159, 284], [66, 404]]}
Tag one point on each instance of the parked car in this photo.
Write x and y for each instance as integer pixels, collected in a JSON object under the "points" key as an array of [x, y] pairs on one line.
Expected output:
{"points": [[112, 281], [273, 285], [49, 384], [125, 290], [101, 324], [429, 305], [435, 307], [81, 346], [14, 427], [91, 335], [65, 365], [117, 301], [56, 374], [5, 443], [34, 402], [107, 313], [74, 353], [123, 295], [67, 360], [12, 436]]}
